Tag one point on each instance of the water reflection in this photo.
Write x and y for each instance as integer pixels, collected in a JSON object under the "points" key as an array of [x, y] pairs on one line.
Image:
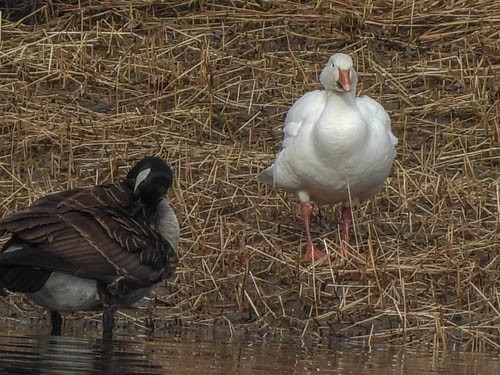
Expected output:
{"points": [[69, 355], [198, 354]]}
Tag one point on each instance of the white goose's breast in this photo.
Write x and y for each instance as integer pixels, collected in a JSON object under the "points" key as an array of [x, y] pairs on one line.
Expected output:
{"points": [[338, 173]]}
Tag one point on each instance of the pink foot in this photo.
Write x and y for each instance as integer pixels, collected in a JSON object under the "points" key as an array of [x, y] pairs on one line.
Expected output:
{"points": [[346, 249], [348, 252], [313, 253]]}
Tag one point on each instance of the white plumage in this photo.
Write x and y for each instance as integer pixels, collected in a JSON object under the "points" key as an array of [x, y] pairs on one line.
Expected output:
{"points": [[336, 147]]}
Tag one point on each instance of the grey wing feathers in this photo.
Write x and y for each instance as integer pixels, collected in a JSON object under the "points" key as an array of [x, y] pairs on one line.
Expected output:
{"points": [[374, 111]]}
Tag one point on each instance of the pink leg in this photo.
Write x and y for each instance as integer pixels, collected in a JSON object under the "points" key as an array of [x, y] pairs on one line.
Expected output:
{"points": [[312, 252], [346, 225]]}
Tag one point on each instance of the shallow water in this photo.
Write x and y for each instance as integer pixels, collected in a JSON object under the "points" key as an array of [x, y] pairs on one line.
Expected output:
{"points": [[193, 354]]}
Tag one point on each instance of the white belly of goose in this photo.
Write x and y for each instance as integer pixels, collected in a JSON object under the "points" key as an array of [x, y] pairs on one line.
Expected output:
{"points": [[67, 293]]}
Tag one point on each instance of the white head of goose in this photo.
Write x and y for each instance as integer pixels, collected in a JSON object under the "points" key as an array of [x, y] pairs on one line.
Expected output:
{"points": [[336, 148], [98, 248]]}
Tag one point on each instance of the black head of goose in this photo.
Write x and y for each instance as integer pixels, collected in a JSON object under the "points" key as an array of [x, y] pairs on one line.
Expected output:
{"points": [[98, 248]]}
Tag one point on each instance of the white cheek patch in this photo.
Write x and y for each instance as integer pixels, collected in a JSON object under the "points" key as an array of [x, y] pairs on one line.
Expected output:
{"points": [[141, 177]]}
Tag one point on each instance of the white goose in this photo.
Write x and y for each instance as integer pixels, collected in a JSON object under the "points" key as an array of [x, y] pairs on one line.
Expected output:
{"points": [[336, 148]]}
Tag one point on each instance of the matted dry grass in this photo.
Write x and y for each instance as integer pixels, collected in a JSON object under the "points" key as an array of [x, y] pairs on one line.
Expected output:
{"points": [[89, 87]]}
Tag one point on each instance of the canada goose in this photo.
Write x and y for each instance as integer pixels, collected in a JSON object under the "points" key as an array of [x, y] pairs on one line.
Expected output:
{"points": [[336, 148], [97, 248]]}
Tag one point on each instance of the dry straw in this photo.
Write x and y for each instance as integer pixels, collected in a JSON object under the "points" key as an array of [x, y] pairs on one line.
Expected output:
{"points": [[88, 87]]}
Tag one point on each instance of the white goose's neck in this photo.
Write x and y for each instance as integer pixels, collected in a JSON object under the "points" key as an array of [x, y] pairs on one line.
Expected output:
{"points": [[341, 126], [346, 99]]}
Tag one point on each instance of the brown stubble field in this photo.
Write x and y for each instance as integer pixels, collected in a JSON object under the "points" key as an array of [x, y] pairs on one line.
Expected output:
{"points": [[89, 87]]}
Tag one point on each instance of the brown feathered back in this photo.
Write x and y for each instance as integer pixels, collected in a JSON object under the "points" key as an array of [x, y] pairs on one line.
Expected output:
{"points": [[90, 233]]}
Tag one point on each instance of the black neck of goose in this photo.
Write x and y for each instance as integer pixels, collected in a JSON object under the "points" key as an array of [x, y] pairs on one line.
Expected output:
{"points": [[143, 210], [144, 204]]}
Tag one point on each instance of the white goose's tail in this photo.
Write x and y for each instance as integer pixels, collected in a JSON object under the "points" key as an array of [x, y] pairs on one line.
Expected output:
{"points": [[266, 176]]}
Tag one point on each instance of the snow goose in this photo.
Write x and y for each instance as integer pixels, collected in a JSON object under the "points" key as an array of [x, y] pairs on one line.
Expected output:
{"points": [[336, 148], [99, 248]]}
